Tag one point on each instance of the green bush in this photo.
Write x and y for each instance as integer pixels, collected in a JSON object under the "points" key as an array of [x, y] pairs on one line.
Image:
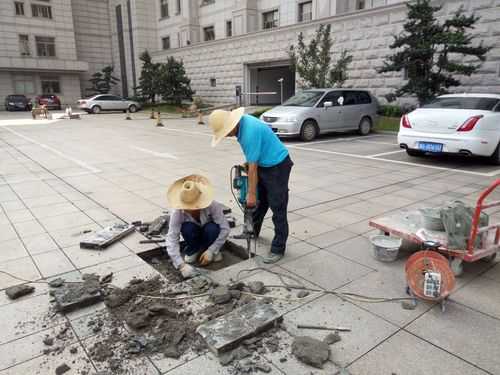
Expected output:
{"points": [[260, 112], [391, 110]]}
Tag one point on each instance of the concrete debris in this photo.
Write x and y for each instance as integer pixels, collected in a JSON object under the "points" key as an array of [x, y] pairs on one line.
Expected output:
{"points": [[56, 283], [256, 287], [409, 305], [73, 350], [75, 296], [62, 369], [138, 319], [107, 236], [162, 309], [251, 366], [234, 355], [302, 294], [310, 351], [332, 338], [49, 341], [221, 295], [17, 291], [106, 279]]}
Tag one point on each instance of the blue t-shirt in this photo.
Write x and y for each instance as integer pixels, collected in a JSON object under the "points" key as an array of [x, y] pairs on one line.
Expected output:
{"points": [[259, 143]]}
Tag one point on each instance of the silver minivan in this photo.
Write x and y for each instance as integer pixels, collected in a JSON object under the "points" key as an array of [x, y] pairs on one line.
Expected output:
{"points": [[106, 102], [315, 111]]}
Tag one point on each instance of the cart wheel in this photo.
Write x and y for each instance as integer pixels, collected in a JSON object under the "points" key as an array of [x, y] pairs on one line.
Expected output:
{"points": [[457, 266], [490, 259]]}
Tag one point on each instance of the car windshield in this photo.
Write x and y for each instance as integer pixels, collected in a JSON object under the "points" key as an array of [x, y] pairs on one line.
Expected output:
{"points": [[483, 104], [304, 99]]}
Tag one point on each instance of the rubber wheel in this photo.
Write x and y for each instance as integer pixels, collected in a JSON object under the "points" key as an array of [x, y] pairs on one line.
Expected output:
{"points": [[495, 158], [132, 108], [365, 126], [96, 109], [309, 131], [414, 152]]}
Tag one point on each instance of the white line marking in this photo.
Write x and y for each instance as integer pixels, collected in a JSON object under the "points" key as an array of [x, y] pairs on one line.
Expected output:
{"points": [[337, 140], [57, 152], [188, 132], [386, 153], [24, 122], [158, 154], [378, 143]]}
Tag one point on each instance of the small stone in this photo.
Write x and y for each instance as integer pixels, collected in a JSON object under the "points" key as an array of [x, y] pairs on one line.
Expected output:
{"points": [[332, 338], [310, 351], [172, 352], [18, 291], [256, 287], [221, 295], [73, 350], [46, 351], [236, 294], [262, 367], [56, 283], [161, 309], [61, 369], [96, 329], [135, 281], [408, 305], [302, 294], [49, 341], [138, 319], [283, 360]]}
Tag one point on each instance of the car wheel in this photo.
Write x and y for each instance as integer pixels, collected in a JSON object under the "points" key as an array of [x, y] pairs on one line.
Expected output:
{"points": [[495, 158], [309, 131], [96, 109], [132, 108], [411, 152], [365, 126]]}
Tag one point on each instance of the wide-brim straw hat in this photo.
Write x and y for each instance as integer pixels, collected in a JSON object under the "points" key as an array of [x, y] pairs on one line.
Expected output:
{"points": [[222, 122], [192, 192]]}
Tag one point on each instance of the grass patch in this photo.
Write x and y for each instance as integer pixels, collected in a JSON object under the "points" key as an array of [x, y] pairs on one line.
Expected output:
{"points": [[390, 124], [164, 108]]}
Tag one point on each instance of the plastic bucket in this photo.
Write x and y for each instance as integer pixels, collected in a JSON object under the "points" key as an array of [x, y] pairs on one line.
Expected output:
{"points": [[385, 248]]}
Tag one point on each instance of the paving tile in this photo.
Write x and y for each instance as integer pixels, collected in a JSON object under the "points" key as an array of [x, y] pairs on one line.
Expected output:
{"points": [[12, 249], [117, 265], [463, 332], [7, 232], [53, 263], [82, 258], [22, 267], [339, 217], [494, 272], [72, 236], [306, 228], [39, 243], [480, 294], [64, 221], [29, 228], [326, 270], [406, 354], [331, 238], [44, 201], [19, 216], [367, 330], [54, 210]]}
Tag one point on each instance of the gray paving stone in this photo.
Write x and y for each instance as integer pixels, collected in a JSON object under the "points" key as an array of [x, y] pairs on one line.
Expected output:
{"points": [[12, 249], [23, 268], [331, 238], [480, 294], [53, 263]]}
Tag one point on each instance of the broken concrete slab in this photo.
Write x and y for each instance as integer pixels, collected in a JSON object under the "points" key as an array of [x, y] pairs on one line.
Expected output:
{"points": [[221, 295], [310, 351], [61, 369], [256, 287], [107, 236], [70, 297], [227, 331], [332, 338], [56, 283], [18, 291]]}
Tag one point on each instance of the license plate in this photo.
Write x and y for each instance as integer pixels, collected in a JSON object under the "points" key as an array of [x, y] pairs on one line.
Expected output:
{"points": [[430, 147]]}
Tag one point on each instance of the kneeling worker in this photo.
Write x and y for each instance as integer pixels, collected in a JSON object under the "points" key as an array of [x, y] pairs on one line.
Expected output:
{"points": [[199, 219]]}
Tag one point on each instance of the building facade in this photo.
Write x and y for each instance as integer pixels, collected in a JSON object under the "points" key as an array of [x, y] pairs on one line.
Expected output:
{"points": [[56, 45]]}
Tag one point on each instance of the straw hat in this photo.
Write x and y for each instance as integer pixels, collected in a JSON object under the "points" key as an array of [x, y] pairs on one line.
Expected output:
{"points": [[222, 122], [192, 192]]}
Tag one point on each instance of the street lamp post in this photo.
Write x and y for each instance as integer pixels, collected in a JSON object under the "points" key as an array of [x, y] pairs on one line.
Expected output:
{"points": [[281, 89]]}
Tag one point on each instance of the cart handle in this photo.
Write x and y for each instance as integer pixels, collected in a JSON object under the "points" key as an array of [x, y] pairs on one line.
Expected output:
{"points": [[477, 214]]}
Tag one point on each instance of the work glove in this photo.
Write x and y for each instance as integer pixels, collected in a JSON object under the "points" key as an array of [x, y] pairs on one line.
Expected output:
{"points": [[188, 271], [207, 257]]}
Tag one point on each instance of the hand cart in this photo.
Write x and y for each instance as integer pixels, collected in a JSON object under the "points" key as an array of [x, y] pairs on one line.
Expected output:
{"points": [[404, 225]]}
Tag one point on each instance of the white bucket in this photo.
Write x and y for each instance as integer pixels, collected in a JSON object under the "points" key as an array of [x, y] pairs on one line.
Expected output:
{"points": [[385, 248]]}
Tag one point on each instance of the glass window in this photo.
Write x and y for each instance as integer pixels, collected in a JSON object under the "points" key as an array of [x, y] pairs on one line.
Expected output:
{"points": [[24, 45], [19, 8], [43, 11], [304, 99], [363, 98], [305, 11], [213, 82], [50, 85], [45, 46], [270, 19], [332, 96], [350, 98], [360, 4], [482, 104], [207, 2], [24, 84], [164, 8], [165, 42], [229, 29], [208, 33], [178, 9]]}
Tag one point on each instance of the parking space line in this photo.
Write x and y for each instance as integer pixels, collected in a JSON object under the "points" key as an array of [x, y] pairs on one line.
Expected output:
{"points": [[154, 153], [377, 143], [386, 153], [54, 151], [337, 140]]}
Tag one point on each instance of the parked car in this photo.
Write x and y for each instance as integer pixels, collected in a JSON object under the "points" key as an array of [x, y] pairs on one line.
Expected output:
{"points": [[106, 102], [49, 100], [466, 124], [17, 103], [318, 111]]}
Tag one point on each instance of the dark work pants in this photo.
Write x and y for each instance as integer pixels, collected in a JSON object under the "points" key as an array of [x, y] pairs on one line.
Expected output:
{"points": [[272, 190], [199, 237]]}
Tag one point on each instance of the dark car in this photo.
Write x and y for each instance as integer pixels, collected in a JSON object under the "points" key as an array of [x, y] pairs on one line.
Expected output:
{"points": [[49, 100], [17, 103]]}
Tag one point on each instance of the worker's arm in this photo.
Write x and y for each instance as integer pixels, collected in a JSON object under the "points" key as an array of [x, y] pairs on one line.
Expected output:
{"points": [[173, 236], [252, 185]]}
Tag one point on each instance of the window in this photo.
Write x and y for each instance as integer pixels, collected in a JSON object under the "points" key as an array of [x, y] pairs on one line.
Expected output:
{"points": [[43, 11], [50, 85], [350, 98], [164, 8], [213, 82], [304, 99], [24, 45], [360, 4], [270, 19], [451, 102], [45, 46], [208, 33], [24, 84], [19, 8], [165, 42], [305, 11], [332, 96], [363, 97], [178, 9], [229, 29], [207, 2]]}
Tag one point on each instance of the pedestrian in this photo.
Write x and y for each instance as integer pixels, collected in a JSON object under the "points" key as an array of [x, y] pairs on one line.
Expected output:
{"points": [[199, 219], [269, 167]]}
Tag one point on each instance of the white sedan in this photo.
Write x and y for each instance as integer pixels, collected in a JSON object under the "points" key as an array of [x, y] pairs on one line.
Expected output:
{"points": [[466, 124]]}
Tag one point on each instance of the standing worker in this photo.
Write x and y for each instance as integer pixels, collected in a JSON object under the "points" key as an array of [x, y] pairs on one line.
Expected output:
{"points": [[201, 222], [269, 167]]}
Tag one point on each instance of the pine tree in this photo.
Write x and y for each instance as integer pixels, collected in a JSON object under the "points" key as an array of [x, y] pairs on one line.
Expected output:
{"points": [[175, 86], [149, 84], [313, 61], [429, 51], [103, 81]]}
